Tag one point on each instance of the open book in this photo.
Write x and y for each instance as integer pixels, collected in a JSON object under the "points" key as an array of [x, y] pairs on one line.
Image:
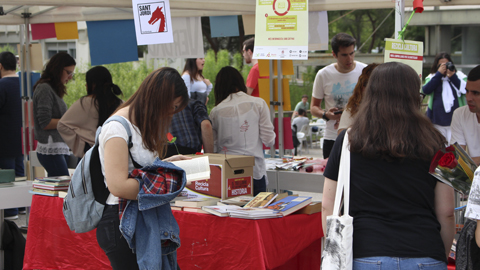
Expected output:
{"points": [[195, 168]]}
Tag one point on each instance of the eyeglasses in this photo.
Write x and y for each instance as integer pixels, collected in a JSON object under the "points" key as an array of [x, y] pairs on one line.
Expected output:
{"points": [[69, 73]]}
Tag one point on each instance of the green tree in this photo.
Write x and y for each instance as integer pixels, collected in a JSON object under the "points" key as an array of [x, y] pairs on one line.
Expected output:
{"points": [[128, 76]]}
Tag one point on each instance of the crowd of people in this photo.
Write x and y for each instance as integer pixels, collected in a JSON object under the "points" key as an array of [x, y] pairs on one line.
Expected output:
{"points": [[402, 215]]}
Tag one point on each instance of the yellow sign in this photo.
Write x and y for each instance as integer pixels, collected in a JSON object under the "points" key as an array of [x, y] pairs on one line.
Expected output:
{"points": [[281, 29], [407, 52]]}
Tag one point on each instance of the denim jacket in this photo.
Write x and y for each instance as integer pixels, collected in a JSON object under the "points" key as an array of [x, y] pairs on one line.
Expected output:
{"points": [[148, 223]]}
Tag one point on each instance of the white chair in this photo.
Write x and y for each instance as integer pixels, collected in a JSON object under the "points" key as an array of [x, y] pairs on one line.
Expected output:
{"points": [[302, 138], [306, 131]]}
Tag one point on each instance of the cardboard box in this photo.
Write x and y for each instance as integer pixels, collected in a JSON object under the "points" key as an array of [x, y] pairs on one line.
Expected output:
{"points": [[312, 208], [230, 176]]}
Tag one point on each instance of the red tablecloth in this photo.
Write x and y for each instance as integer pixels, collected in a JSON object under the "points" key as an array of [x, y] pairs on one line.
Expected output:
{"points": [[207, 241]]}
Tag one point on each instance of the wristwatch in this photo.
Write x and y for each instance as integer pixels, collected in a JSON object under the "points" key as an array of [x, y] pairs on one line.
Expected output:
{"points": [[324, 116]]}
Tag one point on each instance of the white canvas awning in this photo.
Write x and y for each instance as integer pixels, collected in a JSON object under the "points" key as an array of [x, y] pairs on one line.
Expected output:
{"points": [[47, 11]]}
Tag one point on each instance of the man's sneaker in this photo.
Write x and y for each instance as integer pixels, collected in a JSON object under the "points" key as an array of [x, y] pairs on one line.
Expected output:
{"points": [[12, 217], [22, 212]]}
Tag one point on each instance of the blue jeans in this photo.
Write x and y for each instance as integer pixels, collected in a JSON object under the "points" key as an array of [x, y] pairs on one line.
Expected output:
{"points": [[395, 263], [55, 165], [259, 185]]}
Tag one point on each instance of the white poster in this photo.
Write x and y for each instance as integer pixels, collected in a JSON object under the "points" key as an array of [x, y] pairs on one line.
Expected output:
{"points": [[187, 32], [318, 31], [153, 24]]}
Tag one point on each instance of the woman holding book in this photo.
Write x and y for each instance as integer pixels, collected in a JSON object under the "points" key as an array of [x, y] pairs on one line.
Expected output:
{"points": [[148, 113], [48, 108], [403, 217], [79, 124], [241, 123]]}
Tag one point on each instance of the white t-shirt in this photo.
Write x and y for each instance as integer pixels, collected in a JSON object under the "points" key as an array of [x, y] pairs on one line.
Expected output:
{"points": [[141, 155], [335, 88], [466, 130], [241, 123], [300, 121]]}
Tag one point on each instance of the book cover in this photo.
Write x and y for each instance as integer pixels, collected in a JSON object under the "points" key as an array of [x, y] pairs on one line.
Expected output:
{"points": [[220, 210], [240, 201], [52, 183], [261, 200], [290, 204], [196, 202], [177, 208]]}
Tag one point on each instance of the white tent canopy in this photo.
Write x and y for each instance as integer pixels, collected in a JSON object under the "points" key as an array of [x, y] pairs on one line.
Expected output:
{"points": [[47, 11]]}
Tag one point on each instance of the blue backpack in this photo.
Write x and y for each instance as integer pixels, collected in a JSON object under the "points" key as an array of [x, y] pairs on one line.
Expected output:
{"points": [[87, 194]]}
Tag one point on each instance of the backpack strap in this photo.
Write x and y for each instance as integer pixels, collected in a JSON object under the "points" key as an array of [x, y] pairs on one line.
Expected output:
{"points": [[124, 122]]}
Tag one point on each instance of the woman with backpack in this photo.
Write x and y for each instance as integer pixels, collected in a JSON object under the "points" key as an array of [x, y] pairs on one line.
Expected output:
{"points": [[48, 108], [79, 124], [148, 113]]}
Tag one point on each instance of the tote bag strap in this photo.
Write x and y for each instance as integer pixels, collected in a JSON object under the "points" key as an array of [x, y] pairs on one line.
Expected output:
{"points": [[343, 181]]}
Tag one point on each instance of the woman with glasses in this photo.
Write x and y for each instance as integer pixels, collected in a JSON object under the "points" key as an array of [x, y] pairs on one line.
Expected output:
{"points": [[79, 124], [402, 216], [48, 108]]}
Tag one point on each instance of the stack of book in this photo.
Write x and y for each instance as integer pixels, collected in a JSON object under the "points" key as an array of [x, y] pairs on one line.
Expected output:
{"points": [[50, 186], [265, 205], [194, 204]]}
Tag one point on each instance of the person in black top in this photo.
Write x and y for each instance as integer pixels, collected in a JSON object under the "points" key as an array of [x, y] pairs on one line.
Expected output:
{"points": [[402, 216], [10, 120]]}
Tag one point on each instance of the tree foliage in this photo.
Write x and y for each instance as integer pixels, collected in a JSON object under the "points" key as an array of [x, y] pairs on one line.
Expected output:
{"points": [[128, 76]]}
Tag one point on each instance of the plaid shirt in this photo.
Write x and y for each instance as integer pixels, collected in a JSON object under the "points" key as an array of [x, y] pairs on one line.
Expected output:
{"points": [[186, 125], [160, 181]]}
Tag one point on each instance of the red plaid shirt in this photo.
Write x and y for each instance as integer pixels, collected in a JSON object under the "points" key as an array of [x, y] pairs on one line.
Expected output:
{"points": [[158, 182]]}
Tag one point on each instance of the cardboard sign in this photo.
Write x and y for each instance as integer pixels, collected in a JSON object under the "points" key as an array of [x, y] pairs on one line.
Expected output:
{"points": [[153, 23]]}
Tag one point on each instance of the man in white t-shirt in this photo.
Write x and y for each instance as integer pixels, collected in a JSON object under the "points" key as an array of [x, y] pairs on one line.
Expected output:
{"points": [[335, 84], [466, 120]]}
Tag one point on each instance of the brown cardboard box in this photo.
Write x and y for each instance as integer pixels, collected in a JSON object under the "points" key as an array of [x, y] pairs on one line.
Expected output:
{"points": [[312, 208], [230, 176]]}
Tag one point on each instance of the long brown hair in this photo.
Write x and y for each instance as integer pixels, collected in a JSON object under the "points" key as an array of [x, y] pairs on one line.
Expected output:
{"points": [[192, 69], [356, 98], [53, 71], [391, 125], [228, 81], [151, 107]]}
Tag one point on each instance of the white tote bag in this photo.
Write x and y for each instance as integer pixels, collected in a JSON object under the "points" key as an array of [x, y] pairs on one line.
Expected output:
{"points": [[338, 250]]}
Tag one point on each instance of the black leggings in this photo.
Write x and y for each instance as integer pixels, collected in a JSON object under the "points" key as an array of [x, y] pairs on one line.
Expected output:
{"points": [[113, 243]]}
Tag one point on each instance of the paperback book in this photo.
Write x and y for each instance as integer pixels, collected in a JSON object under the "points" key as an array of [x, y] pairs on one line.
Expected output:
{"points": [[45, 192], [239, 201], [290, 204], [196, 202], [220, 210], [261, 200], [254, 213]]}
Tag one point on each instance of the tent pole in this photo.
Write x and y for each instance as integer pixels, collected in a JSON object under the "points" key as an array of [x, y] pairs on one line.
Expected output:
{"points": [[21, 54], [399, 16], [280, 109]]}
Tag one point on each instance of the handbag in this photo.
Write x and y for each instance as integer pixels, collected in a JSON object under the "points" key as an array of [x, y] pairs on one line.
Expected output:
{"points": [[338, 249]]}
